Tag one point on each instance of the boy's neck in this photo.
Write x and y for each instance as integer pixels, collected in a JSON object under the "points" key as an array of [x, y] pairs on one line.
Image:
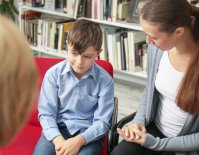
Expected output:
{"points": [[79, 76]]}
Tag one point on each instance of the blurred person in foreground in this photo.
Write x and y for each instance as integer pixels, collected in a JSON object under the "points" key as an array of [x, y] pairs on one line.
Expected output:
{"points": [[18, 80]]}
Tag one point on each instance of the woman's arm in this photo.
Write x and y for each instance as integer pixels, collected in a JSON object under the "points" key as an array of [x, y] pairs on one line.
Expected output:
{"points": [[179, 143]]}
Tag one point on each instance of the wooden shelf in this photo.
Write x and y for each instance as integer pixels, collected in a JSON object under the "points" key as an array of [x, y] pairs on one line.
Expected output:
{"points": [[118, 23], [57, 12], [60, 54]]}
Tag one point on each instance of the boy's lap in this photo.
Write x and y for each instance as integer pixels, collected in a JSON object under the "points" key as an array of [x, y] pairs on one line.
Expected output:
{"points": [[47, 147], [44, 147]]}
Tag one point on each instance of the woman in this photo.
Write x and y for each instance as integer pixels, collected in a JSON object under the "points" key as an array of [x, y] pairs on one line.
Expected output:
{"points": [[167, 120], [18, 79]]}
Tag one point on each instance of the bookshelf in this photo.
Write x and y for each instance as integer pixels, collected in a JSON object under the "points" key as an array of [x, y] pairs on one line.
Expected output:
{"points": [[118, 23], [134, 78], [57, 12], [49, 52]]}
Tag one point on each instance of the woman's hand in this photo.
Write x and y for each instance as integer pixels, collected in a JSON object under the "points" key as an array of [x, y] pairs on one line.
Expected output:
{"points": [[133, 133]]}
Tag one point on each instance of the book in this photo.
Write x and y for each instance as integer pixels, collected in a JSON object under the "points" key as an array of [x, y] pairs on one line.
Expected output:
{"points": [[134, 10], [111, 46], [126, 46], [118, 45], [114, 10], [81, 12], [123, 35], [77, 2], [104, 53], [71, 7], [49, 4], [56, 36], [135, 38], [122, 10], [66, 28], [89, 9], [107, 10]]}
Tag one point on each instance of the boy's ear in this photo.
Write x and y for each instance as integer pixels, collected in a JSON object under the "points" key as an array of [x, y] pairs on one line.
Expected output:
{"points": [[98, 52]]}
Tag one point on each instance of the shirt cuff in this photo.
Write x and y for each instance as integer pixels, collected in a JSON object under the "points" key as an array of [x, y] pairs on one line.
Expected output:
{"points": [[51, 133], [87, 136], [149, 141]]}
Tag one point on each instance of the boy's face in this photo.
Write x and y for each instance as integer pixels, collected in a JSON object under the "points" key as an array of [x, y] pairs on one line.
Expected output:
{"points": [[81, 63]]}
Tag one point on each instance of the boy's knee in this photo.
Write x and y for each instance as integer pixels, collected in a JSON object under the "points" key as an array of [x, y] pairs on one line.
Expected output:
{"points": [[44, 147]]}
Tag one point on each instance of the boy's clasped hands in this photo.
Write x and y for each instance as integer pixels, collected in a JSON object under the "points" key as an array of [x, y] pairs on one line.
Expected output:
{"points": [[70, 146], [133, 133]]}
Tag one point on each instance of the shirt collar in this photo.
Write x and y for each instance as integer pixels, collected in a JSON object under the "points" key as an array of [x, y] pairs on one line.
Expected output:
{"points": [[91, 72], [67, 68]]}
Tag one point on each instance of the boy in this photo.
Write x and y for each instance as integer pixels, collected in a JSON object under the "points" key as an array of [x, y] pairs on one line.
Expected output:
{"points": [[77, 97]]}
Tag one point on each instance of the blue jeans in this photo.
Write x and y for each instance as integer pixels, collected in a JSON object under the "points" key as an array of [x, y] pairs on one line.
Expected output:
{"points": [[45, 147]]}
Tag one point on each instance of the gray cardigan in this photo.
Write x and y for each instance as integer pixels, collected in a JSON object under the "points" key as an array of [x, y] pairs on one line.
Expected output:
{"points": [[187, 141]]}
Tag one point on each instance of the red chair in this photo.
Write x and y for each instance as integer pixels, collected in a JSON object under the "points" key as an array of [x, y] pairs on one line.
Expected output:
{"points": [[27, 138]]}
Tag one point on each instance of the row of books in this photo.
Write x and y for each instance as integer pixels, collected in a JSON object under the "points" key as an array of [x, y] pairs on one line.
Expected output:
{"points": [[124, 48], [46, 32], [70, 7], [111, 10]]}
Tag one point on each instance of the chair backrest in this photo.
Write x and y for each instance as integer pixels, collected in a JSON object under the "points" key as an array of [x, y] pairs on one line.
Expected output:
{"points": [[106, 66], [43, 64]]}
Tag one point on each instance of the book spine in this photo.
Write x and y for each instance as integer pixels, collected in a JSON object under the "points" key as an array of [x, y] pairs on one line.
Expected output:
{"points": [[123, 54]]}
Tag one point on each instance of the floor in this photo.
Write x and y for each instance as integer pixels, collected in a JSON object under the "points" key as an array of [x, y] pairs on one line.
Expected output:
{"points": [[128, 97]]}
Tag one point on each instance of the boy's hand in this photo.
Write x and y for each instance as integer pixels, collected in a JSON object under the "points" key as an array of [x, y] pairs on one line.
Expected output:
{"points": [[58, 142], [72, 146]]}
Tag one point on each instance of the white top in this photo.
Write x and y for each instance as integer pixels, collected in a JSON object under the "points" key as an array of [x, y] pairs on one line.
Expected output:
{"points": [[170, 118]]}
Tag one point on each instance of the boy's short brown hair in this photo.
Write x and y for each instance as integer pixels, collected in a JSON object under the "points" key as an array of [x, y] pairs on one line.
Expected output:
{"points": [[85, 33]]}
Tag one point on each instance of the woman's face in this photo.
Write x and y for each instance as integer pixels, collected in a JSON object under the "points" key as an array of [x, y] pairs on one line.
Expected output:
{"points": [[164, 41]]}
